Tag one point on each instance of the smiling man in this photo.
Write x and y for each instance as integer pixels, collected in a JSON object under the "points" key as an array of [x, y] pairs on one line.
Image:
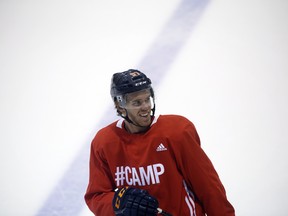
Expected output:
{"points": [[144, 164]]}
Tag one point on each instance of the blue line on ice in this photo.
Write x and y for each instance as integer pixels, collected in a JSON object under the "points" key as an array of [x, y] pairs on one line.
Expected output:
{"points": [[66, 198]]}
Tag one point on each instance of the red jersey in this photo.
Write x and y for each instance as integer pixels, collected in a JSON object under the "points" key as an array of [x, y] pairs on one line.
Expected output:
{"points": [[167, 161]]}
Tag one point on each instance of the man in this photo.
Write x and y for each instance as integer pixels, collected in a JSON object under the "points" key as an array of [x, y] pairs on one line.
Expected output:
{"points": [[143, 163]]}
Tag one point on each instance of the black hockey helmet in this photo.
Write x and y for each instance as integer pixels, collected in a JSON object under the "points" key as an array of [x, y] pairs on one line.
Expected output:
{"points": [[128, 81]]}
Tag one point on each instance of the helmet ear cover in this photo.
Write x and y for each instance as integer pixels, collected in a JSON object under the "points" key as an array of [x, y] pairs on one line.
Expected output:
{"points": [[121, 99]]}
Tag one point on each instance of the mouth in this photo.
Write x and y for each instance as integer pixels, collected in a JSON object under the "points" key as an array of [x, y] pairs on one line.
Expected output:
{"points": [[144, 114], [145, 117]]}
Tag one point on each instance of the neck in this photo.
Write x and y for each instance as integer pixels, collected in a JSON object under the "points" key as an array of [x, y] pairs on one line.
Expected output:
{"points": [[133, 129]]}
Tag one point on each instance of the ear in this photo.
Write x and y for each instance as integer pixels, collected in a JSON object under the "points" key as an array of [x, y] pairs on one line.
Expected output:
{"points": [[120, 109]]}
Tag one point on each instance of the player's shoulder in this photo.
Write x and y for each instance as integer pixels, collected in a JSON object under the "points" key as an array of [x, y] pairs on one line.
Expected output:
{"points": [[173, 121], [108, 128], [173, 118], [107, 131]]}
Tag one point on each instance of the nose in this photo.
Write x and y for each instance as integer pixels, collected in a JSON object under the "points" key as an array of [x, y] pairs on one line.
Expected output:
{"points": [[146, 105]]}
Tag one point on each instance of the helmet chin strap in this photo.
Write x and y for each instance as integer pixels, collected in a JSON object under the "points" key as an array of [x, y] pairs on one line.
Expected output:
{"points": [[130, 121]]}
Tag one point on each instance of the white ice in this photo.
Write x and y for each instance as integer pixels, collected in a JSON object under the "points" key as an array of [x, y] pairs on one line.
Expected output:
{"points": [[230, 79]]}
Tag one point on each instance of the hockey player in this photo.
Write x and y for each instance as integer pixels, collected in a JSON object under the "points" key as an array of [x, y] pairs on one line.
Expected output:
{"points": [[143, 163]]}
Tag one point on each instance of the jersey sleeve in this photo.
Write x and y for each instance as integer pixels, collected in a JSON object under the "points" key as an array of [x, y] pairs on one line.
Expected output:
{"points": [[99, 193], [200, 175]]}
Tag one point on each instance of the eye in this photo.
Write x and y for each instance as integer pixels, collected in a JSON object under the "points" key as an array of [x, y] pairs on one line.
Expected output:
{"points": [[136, 103], [148, 100]]}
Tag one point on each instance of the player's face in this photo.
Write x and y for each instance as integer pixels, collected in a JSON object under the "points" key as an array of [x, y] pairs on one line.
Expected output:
{"points": [[138, 106]]}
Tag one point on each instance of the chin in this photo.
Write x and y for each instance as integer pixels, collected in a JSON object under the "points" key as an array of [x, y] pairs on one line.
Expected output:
{"points": [[146, 123]]}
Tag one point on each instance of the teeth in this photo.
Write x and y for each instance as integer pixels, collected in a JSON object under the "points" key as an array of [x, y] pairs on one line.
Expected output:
{"points": [[144, 115]]}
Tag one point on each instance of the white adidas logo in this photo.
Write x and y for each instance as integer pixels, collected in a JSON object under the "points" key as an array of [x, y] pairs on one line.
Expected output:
{"points": [[161, 147]]}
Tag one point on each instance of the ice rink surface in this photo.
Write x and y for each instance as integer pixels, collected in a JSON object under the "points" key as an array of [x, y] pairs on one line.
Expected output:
{"points": [[223, 64]]}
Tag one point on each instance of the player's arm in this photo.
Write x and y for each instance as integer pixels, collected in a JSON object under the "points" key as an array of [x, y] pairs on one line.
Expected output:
{"points": [[200, 175], [99, 194]]}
